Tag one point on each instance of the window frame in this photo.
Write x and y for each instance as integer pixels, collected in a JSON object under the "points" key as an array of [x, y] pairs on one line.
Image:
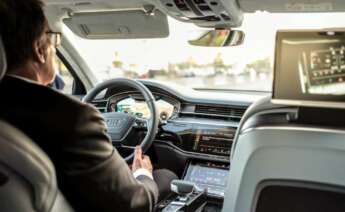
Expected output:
{"points": [[78, 88]]}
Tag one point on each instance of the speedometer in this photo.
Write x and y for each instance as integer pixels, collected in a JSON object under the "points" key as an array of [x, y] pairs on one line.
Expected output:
{"points": [[140, 109]]}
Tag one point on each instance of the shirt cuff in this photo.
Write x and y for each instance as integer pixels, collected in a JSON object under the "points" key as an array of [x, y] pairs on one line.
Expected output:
{"points": [[144, 172]]}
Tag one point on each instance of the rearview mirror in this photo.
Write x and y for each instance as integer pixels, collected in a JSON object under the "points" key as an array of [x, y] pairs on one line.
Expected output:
{"points": [[219, 38]]}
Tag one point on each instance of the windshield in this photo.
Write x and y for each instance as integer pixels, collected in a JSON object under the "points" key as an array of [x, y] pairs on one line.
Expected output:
{"points": [[172, 59]]}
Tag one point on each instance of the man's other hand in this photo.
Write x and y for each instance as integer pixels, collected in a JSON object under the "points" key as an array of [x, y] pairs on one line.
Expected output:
{"points": [[141, 161]]}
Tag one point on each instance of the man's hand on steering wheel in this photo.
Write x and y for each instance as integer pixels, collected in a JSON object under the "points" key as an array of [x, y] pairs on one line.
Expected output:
{"points": [[141, 161]]}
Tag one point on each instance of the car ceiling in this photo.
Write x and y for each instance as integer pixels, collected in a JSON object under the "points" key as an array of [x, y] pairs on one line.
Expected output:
{"points": [[245, 5], [234, 8]]}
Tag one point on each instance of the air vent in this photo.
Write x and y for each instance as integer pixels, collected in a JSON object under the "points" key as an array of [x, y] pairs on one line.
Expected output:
{"points": [[202, 5], [204, 8], [232, 112], [206, 18], [101, 105], [181, 5]]}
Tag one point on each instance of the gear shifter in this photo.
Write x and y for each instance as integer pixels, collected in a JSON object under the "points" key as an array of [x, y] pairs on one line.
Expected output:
{"points": [[182, 188], [188, 197]]}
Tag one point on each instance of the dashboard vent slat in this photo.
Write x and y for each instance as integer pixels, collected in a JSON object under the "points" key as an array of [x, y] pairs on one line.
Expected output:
{"points": [[231, 112]]}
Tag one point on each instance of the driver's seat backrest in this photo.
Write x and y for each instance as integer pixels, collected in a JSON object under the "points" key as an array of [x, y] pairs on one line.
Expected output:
{"points": [[280, 163], [27, 176]]}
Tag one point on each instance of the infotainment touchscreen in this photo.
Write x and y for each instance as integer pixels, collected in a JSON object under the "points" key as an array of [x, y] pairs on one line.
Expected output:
{"points": [[310, 68], [208, 175]]}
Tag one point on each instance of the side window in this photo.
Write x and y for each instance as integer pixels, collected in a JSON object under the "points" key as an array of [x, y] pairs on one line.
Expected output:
{"points": [[64, 79]]}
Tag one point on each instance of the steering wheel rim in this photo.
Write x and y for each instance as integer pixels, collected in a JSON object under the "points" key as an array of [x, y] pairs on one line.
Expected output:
{"points": [[152, 123]]}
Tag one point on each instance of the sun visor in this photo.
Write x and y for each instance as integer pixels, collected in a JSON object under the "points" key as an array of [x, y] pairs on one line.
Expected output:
{"points": [[124, 24]]}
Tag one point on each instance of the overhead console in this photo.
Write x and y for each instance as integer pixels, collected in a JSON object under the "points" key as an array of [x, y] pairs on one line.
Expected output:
{"points": [[292, 5], [204, 13]]}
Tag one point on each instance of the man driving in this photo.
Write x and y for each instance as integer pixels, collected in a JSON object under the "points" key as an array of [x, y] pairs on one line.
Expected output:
{"points": [[91, 173]]}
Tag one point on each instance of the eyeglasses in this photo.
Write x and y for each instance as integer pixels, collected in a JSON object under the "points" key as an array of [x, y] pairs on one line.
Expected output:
{"points": [[55, 38]]}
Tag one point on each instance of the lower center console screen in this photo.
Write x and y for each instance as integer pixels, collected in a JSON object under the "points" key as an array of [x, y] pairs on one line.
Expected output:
{"points": [[210, 176]]}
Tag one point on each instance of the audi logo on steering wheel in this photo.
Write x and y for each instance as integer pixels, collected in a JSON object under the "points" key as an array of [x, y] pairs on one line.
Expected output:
{"points": [[114, 122]]}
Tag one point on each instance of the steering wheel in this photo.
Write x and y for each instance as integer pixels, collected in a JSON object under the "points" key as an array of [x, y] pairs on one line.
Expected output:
{"points": [[120, 124]]}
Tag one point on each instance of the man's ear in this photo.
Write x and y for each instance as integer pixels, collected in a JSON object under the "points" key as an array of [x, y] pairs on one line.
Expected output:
{"points": [[40, 52]]}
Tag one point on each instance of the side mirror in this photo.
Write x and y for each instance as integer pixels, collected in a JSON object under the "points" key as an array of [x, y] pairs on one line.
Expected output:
{"points": [[219, 38]]}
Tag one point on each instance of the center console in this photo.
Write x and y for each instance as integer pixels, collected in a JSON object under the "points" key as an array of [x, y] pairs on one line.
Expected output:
{"points": [[213, 141], [208, 144], [201, 189], [206, 139]]}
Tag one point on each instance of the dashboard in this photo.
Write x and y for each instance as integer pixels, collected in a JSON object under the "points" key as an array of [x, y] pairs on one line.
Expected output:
{"points": [[194, 124]]}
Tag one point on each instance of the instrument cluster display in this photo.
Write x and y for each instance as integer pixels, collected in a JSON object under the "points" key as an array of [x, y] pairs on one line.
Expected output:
{"points": [[140, 109]]}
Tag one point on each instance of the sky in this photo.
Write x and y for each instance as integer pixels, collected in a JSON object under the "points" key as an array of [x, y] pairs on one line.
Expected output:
{"points": [[260, 29]]}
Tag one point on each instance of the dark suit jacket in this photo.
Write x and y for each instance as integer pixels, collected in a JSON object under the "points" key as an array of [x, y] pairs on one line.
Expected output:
{"points": [[91, 173]]}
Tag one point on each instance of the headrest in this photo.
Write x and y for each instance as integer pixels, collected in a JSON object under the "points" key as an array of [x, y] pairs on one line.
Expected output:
{"points": [[23, 156], [3, 64]]}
